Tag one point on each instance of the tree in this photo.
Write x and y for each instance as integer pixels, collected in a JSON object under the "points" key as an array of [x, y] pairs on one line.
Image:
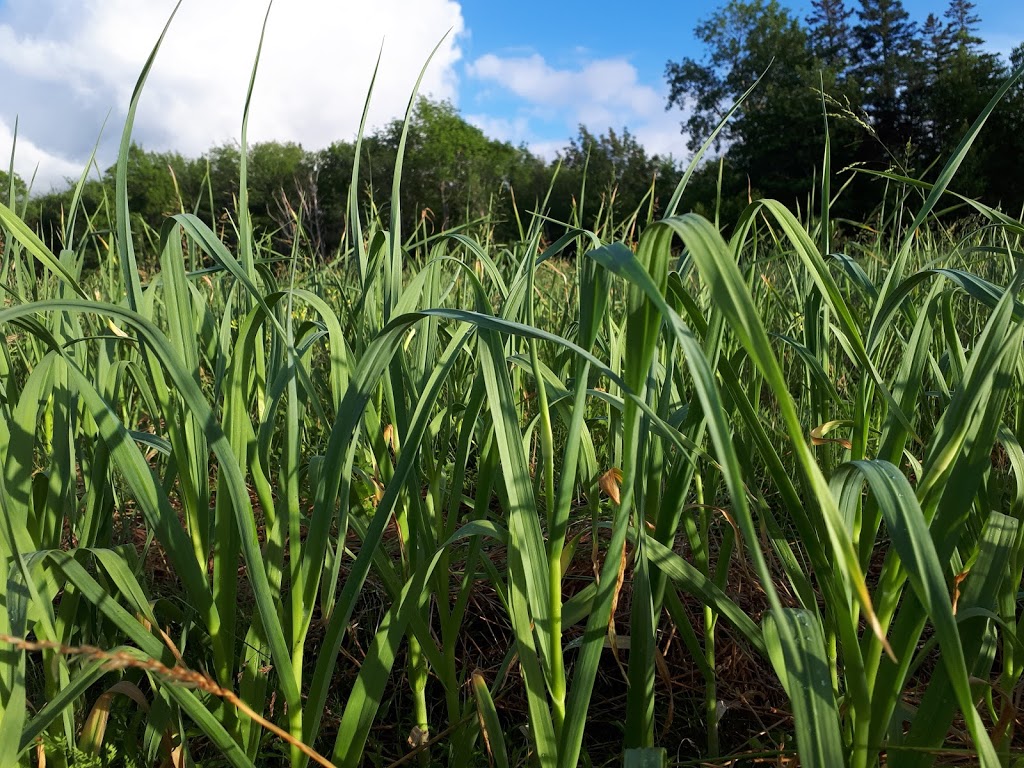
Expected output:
{"points": [[930, 58], [829, 31], [451, 174], [963, 26], [936, 46], [13, 190], [159, 184], [527, 184], [619, 175], [222, 165], [13, 194], [332, 174], [951, 81], [774, 139], [451, 167], [280, 183], [884, 56], [332, 170], [960, 93]]}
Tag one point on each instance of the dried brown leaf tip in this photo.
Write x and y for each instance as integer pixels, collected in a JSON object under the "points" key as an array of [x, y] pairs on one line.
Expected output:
{"points": [[95, 727], [819, 432], [613, 640], [610, 483], [957, 581]]}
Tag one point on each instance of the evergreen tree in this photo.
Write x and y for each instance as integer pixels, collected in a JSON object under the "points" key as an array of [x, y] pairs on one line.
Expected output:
{"points": [[963, 25], [936, 46], [952, 80], [775, 136], [885, 54], [829, 32], [927, 66]]}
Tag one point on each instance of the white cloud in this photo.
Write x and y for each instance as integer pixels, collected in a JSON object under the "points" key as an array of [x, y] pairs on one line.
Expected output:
{"points": [[602, 84], [662, 135], [69, 62], [500, 128], [600, 94], [48, 170], [547, 148]]}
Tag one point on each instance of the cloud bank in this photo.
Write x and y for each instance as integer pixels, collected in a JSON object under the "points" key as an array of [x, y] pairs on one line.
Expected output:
{"points": [[68, 64], [599, 93]]}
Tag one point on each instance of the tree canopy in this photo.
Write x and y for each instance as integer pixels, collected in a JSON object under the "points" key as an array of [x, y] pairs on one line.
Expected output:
{"points": [[452, 174], [13, 191], [893, 92], [896, 93]]}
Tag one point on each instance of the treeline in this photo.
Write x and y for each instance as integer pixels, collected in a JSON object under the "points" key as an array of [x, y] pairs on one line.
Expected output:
{"points": [[898, 95], [452, 175]]}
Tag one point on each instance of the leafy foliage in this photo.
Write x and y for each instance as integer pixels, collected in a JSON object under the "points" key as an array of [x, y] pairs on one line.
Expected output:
{"points": [[896, 94]]}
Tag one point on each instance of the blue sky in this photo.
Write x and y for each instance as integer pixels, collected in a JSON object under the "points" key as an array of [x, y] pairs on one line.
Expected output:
{"points": [[526, 72]]}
